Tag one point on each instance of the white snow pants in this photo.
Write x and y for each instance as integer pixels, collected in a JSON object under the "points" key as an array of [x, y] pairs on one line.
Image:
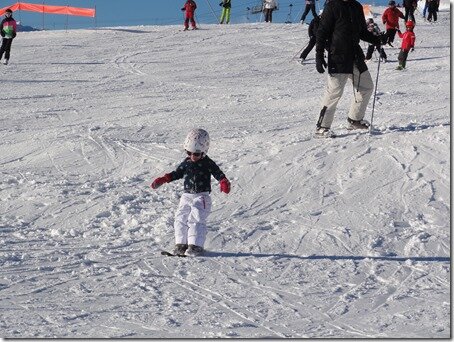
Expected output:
{"points": [[191, 217], [363, 88]]}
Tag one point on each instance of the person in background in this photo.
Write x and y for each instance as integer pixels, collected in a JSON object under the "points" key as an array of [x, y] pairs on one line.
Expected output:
{"points": [[341, 28], [410, 6], [195, 202], [189, 7], [8, 32], [225, 15], [426, 6], [312, 31], [390, 18], [373, 27], [268, 7], [408, 44], [310, 6], [432, 9]]}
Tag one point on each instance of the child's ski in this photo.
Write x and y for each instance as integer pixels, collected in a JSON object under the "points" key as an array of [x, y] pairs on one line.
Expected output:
{"points": [[172, 255]]}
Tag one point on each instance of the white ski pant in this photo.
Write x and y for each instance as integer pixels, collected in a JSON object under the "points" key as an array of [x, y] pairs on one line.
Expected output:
{"points": [[363, 87], [191, 217]]}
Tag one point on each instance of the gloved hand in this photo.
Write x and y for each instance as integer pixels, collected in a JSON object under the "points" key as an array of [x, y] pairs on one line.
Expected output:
{"points": [[320, 63], [225, 185], [183, 9], [2, 33], [14, 34], [161, 180], [220, 4], [412, 49], [383, 38]]}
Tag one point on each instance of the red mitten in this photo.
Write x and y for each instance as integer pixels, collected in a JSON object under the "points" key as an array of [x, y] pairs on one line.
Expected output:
{"points": [[225, 185], [161, 180]]}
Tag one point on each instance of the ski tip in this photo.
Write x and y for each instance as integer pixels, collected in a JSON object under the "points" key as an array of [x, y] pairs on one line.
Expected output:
{"points": [[172, 255]]}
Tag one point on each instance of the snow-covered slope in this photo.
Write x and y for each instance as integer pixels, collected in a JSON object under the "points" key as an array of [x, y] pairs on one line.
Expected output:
{"points": [[348, 237]]}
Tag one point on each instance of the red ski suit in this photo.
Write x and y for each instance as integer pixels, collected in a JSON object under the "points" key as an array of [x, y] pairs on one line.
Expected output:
{"points": [[408, 40], [391, 17], [190, 7]]}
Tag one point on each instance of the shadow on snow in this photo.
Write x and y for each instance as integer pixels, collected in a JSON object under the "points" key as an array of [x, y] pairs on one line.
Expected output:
{"points": [[326, 257]]}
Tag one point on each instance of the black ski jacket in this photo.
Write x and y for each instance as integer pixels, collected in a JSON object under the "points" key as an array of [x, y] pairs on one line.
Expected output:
{"points": [[313, 27], [342, 26], [226, 4], [197, 175]]}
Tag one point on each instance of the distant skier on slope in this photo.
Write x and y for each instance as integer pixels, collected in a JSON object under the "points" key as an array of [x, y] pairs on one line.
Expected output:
{"points": [[189, 7], [390, 18], [8, 29], [195, 203], [225, 14]]}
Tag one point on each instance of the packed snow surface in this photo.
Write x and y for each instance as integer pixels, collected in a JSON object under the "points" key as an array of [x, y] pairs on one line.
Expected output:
{"points": [[345, 237]]}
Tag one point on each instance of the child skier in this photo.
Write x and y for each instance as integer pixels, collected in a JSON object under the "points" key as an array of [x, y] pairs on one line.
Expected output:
{"points": [[373, 27], [226, 7], [408, 42], [189, 8], [8, 32], [195, 203]]}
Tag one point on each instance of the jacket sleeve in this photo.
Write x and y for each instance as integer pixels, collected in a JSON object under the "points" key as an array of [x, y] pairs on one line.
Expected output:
{"points": [[413, 40], [179, 172], [325, 29], [216, 171]]}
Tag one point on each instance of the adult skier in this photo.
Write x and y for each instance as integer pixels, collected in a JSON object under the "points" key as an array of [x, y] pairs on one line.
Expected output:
{"points": [[342, 25], [268, 7], [390, 18], [310, 6], [225, 15]]}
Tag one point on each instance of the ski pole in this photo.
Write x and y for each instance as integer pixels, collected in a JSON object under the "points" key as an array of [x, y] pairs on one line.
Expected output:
{"points": [[212, 11], [375, 96], [298, 53]]}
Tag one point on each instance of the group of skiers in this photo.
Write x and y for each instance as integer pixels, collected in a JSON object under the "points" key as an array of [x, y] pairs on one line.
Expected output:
{"points": [[390, 19]]}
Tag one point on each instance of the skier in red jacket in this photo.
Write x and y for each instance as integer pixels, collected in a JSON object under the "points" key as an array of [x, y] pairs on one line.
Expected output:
{"points": [[189, 8], [391, 17], [408, 43]]}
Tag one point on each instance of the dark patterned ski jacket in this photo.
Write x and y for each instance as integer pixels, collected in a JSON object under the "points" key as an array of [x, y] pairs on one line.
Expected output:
{"points": [[197, 175]]}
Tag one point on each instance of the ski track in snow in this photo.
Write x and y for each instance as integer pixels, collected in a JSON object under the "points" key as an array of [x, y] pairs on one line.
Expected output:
{"points": [[337, 238]]}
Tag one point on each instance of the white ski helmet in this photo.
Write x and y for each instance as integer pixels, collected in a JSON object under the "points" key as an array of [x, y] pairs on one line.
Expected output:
{"points": [[197, 141]]}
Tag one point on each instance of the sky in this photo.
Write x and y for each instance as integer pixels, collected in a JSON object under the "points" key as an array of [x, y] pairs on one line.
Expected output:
{"points": [[155, 12]]}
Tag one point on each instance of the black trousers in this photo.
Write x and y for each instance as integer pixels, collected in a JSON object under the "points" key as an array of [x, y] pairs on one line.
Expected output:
{"points": [[390, 35], [309, 7], [432, 11], [370, 51], [410, 13], [308, 48], [6, 47], [268, 15]]}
